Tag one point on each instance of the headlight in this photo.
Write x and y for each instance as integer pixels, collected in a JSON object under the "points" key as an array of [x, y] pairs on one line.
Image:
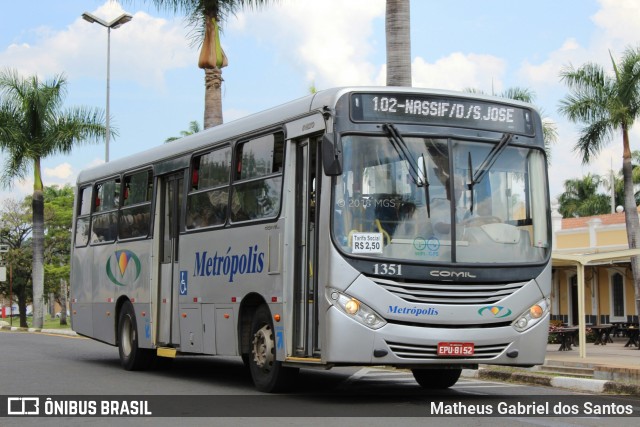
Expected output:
{"points": [[355, 309], [532, 316]]}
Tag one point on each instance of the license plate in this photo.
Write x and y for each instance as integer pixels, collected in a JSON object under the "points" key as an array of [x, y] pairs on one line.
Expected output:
{"points": [[455, 349]]}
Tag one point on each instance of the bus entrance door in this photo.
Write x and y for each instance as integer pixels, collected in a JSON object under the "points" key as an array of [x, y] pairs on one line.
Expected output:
{"points": [[169, 202], [305, 286]]}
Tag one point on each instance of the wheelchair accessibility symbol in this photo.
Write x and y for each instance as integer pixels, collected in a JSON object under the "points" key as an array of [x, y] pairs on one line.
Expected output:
{"points": [[183, 283]]}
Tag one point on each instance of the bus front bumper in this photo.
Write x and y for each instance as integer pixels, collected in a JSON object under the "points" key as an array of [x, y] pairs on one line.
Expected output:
{"points": [[349, 342]]}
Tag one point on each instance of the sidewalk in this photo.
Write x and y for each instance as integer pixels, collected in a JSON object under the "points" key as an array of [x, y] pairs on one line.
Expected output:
{"points": [[611, 368]]}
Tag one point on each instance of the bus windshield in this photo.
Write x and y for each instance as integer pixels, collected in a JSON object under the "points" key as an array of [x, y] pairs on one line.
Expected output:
{"points": [[454, 212]]}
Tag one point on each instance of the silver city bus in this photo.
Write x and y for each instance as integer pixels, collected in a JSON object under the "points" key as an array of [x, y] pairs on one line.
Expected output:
{"points": [[356, 226]]}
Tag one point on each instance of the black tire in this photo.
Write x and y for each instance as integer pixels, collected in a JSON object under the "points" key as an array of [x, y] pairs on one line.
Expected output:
{"points": [[436, 379], [268, 374], [132, 357], [245, 360]]}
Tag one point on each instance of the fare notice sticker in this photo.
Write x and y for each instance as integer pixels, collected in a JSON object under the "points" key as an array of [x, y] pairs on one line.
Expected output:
{"points": [[366, 243]]}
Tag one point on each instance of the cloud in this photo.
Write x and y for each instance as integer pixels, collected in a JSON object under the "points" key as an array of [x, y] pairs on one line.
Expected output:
{"points": [[548, 71], [62, 171], [459, 71], [616, 28], [618, 21], [142, 50], [331, 42]]}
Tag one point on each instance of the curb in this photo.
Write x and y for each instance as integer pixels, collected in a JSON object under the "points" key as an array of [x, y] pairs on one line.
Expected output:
{"points": [[568, 383], [67, 332]]}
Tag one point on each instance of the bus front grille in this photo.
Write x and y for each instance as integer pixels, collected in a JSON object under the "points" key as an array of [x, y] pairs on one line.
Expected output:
{"points": [[449, 293], [430, 352]]}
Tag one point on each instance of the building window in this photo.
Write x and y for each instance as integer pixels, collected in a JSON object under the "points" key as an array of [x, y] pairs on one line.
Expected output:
{"points": [[617, 295]]}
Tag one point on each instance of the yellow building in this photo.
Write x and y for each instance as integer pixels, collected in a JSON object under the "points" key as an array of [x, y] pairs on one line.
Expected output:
{"points": [[599, 243]]}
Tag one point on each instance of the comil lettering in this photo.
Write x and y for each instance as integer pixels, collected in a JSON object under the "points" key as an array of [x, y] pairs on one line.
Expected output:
{"points": [[452, 274]]}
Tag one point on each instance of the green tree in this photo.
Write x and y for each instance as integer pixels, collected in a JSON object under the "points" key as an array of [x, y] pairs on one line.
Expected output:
{"points": [[34, 126], [581, 197], [58, 207], [205, 17], [549, 128], [608, 105], [15, 229], [194, 127], [398, 42]]}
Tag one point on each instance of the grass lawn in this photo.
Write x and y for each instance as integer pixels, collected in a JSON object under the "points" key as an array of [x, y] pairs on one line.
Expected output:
{"points": [[49, 323]]}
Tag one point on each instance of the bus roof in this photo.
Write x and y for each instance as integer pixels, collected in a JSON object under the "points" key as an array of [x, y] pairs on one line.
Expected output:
{"points": [[253, 123]]}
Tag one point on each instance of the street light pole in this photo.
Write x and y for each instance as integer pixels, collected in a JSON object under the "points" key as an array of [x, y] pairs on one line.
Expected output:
{"points": [[116, 23]]}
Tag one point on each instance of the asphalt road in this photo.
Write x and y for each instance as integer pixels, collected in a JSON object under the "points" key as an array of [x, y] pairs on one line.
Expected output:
{"points": [[220, 388]]}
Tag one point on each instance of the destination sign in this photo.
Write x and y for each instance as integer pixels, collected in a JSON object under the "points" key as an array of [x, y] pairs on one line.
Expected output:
{"points": [[442, 111]]}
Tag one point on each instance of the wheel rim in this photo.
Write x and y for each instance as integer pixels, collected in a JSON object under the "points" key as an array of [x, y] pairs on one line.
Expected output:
{"points": [[127, 336], [263, 354]]}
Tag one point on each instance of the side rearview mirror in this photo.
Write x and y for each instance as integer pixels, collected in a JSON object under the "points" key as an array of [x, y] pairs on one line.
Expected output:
{"points": [[332, 154]]}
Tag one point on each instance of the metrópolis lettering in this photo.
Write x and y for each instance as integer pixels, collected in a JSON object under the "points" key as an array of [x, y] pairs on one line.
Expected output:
{"points": [[415, 311], [229, 264]]}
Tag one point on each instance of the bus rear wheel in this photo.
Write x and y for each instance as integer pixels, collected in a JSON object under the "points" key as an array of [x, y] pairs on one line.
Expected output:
{"points": [[132, 357], [436, 379], [268, 374]]}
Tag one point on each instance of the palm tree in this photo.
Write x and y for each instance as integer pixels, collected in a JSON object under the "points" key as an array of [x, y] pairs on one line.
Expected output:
{"points": [[205, 16], [608, 105], [33, 127], [397, 33], [549, 129], [581, 198], [194, 127]]}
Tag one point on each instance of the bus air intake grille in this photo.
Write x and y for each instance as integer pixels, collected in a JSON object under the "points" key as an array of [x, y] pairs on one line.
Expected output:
{"points": [[430, 352], [449, 293]]}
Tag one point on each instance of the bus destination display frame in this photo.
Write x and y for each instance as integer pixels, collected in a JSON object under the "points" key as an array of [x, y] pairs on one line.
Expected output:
{"points": [[437, 110]]}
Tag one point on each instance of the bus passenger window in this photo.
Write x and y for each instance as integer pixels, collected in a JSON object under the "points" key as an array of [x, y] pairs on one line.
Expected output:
{"points": [[258, 178], [104, 219], [209, 195], [135, 214], [83, 212]]}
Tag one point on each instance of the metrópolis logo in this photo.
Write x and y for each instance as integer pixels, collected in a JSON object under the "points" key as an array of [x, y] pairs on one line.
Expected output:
{"points": [[123, 267], [494, 311]]}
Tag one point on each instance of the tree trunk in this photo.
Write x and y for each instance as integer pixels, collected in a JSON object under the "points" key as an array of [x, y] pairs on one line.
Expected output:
{"points": [[212, 97], [398, 36], [631, 214], [63, 301], [22, 312], [37, 274]]}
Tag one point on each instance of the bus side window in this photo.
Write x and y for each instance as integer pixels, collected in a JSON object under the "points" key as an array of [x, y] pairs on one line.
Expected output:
{"points": [[104, 220], [258, 178], [135, 214], [83, 216], [208, 198]]}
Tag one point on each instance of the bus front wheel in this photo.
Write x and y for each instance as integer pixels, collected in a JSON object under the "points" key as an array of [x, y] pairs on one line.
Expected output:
{"points": [[268, 374], [436, 379], [132, 357]]}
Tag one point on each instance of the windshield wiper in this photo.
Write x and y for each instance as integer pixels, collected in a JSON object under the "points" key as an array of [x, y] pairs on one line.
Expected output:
{"points": [[491, 158], [403, 151], [399, 144], [476, 176]]}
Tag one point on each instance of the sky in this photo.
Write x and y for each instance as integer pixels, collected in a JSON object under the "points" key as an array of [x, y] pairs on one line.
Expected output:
{"points": [[277, 53]]}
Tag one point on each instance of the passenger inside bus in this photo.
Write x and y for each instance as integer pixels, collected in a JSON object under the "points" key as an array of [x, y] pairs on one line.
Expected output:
{"points": [[441, 208]]}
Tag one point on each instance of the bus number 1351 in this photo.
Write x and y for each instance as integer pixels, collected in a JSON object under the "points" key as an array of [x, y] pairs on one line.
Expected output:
{"points": [[388, 269]]}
